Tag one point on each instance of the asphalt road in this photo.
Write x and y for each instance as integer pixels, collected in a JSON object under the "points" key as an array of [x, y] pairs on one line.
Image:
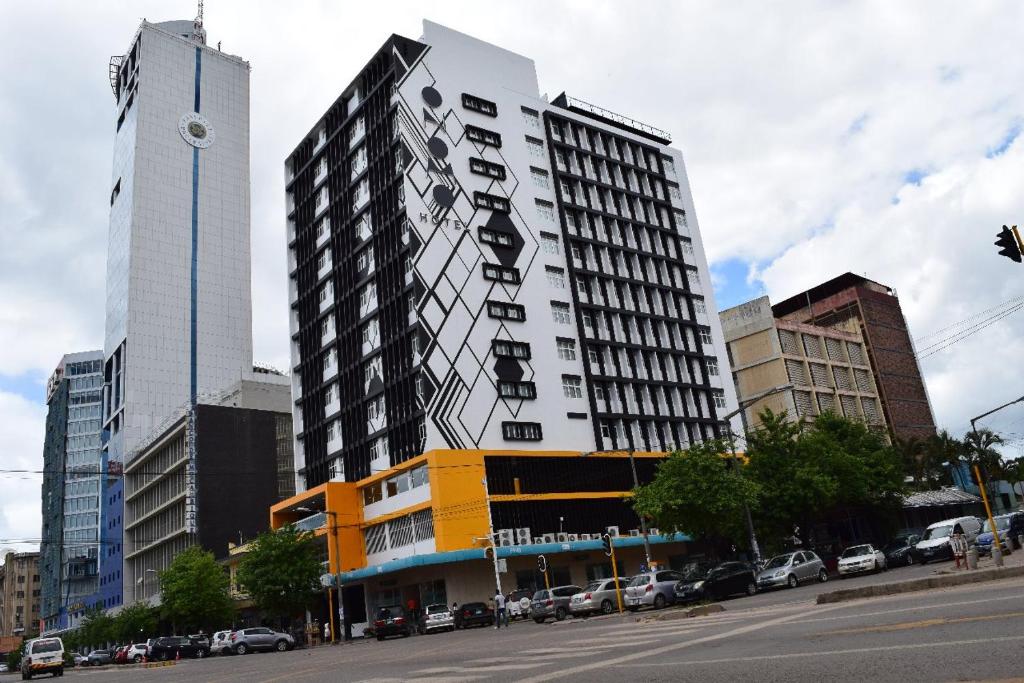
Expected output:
{"points": [[969, 633]]}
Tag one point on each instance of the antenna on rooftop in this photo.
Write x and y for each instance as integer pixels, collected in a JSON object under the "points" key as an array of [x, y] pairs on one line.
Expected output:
{"points": [[198, 33]]}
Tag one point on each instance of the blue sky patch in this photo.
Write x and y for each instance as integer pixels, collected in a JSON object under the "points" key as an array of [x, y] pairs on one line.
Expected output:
{"points": [[29, 385], [1004, 144], [914, 176], [730, 282]]}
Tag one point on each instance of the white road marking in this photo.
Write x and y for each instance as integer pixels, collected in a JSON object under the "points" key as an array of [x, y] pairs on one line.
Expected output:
{"points": [[480, 669], [819, 653], [909, 609], [654, 652]]}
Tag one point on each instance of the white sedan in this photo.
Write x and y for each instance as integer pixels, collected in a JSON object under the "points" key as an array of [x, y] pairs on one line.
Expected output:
{"points": [[861, 558]]}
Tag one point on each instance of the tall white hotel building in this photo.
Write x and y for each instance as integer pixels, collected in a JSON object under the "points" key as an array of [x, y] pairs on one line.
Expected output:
{"points": [[178, 304]]}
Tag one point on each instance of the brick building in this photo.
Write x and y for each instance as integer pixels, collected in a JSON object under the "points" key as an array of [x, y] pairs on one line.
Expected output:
{"points": [[19, 594], [854, 303]]}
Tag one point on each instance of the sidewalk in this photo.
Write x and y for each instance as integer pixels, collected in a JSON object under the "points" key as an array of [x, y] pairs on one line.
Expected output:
{"points": [[945, 575]]}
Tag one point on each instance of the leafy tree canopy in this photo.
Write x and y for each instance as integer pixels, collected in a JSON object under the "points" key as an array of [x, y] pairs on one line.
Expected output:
{"points": [[194, 592], [281, 571]]}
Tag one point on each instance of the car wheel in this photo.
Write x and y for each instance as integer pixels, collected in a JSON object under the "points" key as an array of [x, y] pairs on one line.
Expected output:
{"points": [[281, 645], [659, 601], [606, 607], [242, 649], [792, 581], [822, 576], [200, 653], [910, 559], [751, 588], [380, 638], [538, 620]]}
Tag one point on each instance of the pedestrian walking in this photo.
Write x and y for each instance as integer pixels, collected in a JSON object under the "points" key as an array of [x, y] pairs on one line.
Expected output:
{"points": [[499, 607]]}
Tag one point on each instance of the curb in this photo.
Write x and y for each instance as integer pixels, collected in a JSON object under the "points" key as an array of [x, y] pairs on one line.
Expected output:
{"points": [[156, 665], [942, 581], [699, 611]]}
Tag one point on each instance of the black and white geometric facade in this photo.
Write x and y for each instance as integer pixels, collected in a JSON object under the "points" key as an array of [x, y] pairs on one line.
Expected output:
{"points": [[438, 296]]}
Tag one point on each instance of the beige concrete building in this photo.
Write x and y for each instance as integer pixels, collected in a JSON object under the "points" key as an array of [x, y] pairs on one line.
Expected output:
{"points": [[19, 594], [826, 368]]}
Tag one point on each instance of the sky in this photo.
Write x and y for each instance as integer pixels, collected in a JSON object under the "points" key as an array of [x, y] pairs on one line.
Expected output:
{"points": [[879, 138]]}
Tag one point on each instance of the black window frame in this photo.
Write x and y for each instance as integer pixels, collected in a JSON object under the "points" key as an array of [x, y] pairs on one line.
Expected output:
{"points": [[499, 310], [512, 343], [492, 237], [517, 279], [482, 136], [479, 105], [483, 200], [488, 166], [509, 429], [531, 386]]}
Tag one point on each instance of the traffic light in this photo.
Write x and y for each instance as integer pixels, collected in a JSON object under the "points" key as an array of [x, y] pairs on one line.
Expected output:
{"points": [[489, 552], [1008, 240], [606, 540], [542, 564]]}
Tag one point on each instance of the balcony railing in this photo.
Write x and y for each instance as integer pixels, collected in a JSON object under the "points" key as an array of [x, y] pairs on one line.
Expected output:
{"points": [[313, 522]]}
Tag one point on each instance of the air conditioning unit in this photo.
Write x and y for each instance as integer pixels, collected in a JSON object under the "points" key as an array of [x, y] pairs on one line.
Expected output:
{"points": [[612, 531], [574, 537], [506, 537], [584, 537], [523, 536], [634, 532], [654, 532], [549, 538], [562, 537], [537, 540]]}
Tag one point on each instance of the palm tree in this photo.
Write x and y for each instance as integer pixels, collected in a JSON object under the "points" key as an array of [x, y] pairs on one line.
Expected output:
{"points": [[979, 450], [941, 452], [911, 451]]}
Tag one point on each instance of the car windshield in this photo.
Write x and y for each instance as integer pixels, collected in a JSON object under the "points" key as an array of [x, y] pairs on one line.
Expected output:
{"points": [[857, 551], [897, 543], [51, 645], [592, 586], [695, 572], [436, 609], [778, 561], [540, 595], [938, 532], [640, 580], [1002, 523]]}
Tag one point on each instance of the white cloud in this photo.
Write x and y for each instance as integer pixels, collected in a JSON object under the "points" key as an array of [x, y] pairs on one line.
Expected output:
{"points": [[20, 506]]}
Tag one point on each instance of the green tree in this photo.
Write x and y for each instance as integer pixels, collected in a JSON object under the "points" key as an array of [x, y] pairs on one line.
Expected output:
{"points": [[698, 492], [281, 571], [97, 627], [912, 456], [135, 623], [807, 471], [979, 449], [194, 592], [941, 452]]}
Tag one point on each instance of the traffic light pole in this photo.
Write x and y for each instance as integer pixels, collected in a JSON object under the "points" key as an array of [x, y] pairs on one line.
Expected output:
{"points": [[615, 570], [490, 535]]}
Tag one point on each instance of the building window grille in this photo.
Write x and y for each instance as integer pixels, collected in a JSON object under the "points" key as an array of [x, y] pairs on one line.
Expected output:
{"points": [[545, 210], [556, 277], [487, 168], [566, 349], [712, 367], [540, 178], [502, 274], [482, 200], [705, 337], [479, 104], [560, 313], [535, 147], [519, 390], [856, 353], [549, 243], [506, 311], [482, 136], [797, 373], [495, 238], [521, 431], [504, 348], [531, 118], [572, 386]]}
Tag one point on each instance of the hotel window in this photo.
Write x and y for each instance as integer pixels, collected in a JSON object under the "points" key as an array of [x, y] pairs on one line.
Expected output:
{"points": [[504, 348], [698, 306], [712, 367], [608, 430], [566, 348], [556, 277], [719, 397], [545, 210], [482, 136], [321, 197], [572, 386], [705, 337], [496, 238], [486, 168], [549, 243], [673, 191], [535, 147], [375, 408], [326, 326], [490, 201], [330, 393], [539, 177], [479, 104], [364, 259], [531, 118], [687, 248], [506, 311], [521, 431], [502, 274], [520, 390], [326, 292], [560, 313]]}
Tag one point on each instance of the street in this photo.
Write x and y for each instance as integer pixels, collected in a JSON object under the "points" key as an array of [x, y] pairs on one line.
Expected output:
{"points": [[967, 633]]}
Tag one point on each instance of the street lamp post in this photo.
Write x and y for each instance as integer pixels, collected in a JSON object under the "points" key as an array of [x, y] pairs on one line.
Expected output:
{"points": [[996, 550], [742, 411], [636, 484]]}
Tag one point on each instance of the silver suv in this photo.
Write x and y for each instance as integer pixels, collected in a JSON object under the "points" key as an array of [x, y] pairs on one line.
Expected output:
{"points": [[552, 603], [654, 589], [249, 640]]}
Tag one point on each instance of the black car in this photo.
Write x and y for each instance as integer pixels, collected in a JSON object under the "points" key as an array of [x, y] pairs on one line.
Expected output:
{"points": [[170, 647], [900, 550], [717, 582], [391, 621], [474, 614]]}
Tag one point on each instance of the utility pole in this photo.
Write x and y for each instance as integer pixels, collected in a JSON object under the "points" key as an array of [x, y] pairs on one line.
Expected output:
{"points": [[490, 535]]}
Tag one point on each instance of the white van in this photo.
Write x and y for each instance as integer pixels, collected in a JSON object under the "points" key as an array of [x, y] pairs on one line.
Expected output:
{"points": [[43, 656], [934, 543]]}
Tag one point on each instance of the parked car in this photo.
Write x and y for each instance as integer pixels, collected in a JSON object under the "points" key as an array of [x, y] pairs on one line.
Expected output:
{"points": [[220, 643], [100, 657], [3, 668], [598, 596], [861, 558], [716, 582], [518, 604], [391, 621], [552, 603], [474, 614], [791, 569], [121, 654], [436, 618], [653, 589], [258, 638], [900, 550], [1009, 526], [171, 647], [79, 659], [43, 656], [934, 543], [136, 652]]}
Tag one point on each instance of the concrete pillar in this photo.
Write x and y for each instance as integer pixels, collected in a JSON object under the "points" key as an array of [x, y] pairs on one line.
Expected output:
{"points": [[997, 555], [972, 558]]}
